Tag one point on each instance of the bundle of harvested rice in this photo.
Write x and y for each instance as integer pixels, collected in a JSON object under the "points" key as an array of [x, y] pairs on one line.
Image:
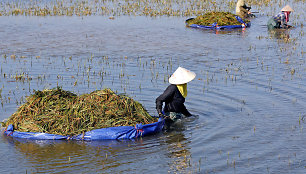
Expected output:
{"points": [[221, 18], [61, 112]]}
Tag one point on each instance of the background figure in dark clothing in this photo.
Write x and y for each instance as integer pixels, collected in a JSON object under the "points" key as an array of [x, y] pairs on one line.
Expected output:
{"points": [[174, 97]]}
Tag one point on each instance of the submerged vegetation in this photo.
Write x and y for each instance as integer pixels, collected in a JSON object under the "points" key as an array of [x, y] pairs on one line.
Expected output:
{"points": [[57, 111], [221, 18]]}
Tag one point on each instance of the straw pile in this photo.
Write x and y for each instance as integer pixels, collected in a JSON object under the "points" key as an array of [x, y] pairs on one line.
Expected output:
{"points": [[61, 112], [222, 19]]}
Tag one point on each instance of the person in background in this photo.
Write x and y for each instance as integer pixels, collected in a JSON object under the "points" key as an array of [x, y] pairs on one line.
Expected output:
{"points": [[242, 10], [174, 97], [280, 20]]}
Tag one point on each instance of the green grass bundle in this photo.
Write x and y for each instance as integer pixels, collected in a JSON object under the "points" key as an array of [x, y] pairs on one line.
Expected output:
{"points": [[222, 19], [61, 112]]}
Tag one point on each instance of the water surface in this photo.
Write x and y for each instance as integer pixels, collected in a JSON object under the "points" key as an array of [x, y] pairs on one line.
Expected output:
{"points": [[248, 98]]}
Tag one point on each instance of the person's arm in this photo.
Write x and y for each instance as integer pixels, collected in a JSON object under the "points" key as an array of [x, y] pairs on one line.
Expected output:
{"points": [[168, 93], [246, 7], [283, 21], [242, 9], [185, 111]]}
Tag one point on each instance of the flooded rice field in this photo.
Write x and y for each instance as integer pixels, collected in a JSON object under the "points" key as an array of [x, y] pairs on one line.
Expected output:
{"points": [[248, 99]]}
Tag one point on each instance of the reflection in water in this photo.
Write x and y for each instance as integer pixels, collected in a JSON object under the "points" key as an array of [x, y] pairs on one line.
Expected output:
{"points": [[46, 156], [178, 148], [238, 31], [178, 152], [282, 35]]}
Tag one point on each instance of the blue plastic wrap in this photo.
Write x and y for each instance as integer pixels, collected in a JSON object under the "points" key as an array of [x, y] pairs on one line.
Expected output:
{"points": [[111, 133], [215, 26], [32, 135]]}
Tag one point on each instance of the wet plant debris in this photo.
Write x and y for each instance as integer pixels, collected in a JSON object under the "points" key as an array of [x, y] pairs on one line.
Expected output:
{"points": [[221, 18], [61, 112]]}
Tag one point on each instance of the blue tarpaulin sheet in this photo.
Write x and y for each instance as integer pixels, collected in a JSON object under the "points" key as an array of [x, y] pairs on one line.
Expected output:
{"points": [[215, 26], [111, 133]]}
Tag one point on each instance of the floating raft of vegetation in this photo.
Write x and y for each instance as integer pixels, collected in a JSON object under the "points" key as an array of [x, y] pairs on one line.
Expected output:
{"points": [[221, 18], [61, 112]]}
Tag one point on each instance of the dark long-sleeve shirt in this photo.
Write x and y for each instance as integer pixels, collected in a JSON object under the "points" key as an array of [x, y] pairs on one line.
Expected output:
{"points": [[174, 101]]}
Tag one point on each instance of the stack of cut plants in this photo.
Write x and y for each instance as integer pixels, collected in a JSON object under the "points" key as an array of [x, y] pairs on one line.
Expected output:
{"points": [[221, 18], [61, 112]]}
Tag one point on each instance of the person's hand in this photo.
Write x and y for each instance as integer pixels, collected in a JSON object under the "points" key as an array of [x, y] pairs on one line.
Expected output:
{"points": [[162, 115]]}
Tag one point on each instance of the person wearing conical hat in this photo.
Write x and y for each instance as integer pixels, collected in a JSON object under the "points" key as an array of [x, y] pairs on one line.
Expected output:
{"points": [[174, 96], [280, 20], [242, 10]]}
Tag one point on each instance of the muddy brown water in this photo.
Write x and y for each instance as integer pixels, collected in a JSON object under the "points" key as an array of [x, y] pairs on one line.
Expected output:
{"points": [[248, 98]]}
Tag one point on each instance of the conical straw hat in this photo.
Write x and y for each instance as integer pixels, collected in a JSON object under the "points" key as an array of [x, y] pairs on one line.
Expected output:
{"points": [[287, 8], [181, 76]]}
